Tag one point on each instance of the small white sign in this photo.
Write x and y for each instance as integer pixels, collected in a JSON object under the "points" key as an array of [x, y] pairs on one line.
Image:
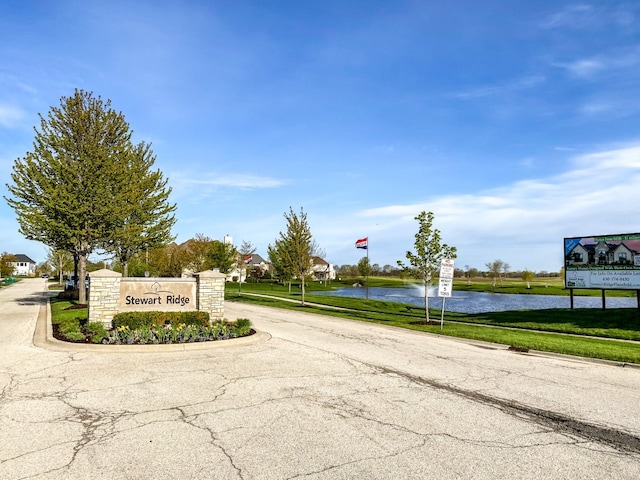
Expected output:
{"points": [[446, 268], [445, 287]]}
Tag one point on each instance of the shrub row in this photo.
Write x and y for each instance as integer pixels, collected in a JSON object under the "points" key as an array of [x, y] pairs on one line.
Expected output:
{"points": [[136, 320], [75, 330]]}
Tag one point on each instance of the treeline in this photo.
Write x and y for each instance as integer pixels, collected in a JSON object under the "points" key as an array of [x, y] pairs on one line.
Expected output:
{"points": [[467, 272]]}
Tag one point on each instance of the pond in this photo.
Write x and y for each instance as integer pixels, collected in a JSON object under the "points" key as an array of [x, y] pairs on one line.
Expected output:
{"points": [[479, 302]]}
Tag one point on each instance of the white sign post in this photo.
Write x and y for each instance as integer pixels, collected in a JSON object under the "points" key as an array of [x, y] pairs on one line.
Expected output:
{"points": [[445, 285]]}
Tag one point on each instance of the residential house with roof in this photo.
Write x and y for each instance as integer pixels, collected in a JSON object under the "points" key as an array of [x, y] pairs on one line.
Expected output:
{"points": [[604, 253], [323, 270], [254, 266], [23, 266]]}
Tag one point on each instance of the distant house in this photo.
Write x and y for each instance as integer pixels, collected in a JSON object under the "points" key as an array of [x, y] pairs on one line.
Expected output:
{"points": [[254, 266], [23, 266], [257, 267], [322, 270]]}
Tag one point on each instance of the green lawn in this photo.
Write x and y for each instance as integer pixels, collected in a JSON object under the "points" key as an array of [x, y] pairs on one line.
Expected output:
{"points": [[554, 330], [64, 310]]}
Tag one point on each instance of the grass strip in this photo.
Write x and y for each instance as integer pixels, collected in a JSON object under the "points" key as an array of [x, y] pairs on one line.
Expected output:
{"points": [[517, 337]]}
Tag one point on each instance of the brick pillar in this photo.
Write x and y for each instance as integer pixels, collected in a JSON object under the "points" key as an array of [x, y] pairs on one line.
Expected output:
{"points": [[210, 293], [104, 296]]}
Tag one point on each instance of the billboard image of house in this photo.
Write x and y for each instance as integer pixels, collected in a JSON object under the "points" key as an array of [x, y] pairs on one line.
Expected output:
{"points": [[603, 262]]}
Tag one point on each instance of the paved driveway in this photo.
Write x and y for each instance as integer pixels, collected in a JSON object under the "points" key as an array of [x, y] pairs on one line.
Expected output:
{"points": [[321, 399]]}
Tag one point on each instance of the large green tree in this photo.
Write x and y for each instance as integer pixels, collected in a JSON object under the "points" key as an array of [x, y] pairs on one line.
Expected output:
{"points": [[222, 256], [197, 251], [293, 250], [148, 217], [283, 271], [61, 260], [6, 264], [429, 252], [74, 190]]}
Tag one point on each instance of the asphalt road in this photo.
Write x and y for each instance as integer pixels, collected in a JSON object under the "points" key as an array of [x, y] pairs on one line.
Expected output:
{"points": [[317, 398]]}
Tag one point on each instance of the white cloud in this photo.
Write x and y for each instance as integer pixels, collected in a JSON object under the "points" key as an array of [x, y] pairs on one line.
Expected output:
{"points": [[500, 89], [206, 182], [10, 115], [589, 17], [610, 63], [575, 16], [583, 68]]}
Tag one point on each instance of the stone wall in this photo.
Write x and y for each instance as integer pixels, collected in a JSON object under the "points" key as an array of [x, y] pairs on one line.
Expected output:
{"points": [[107, 288]]}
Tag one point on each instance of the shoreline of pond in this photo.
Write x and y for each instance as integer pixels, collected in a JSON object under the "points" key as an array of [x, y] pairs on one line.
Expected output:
{"points": [[463, 301]]}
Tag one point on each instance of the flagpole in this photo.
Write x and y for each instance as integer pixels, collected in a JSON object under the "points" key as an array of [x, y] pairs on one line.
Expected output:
{"points": [[364, 243], [368, 267]]}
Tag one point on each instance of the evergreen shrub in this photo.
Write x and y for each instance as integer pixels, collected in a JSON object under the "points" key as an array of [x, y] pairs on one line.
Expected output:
{"points": [[136, 320]]}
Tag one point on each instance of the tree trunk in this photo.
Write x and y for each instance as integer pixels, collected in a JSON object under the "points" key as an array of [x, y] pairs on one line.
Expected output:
{"points": [[82, 273], [426, 302], [302, 286]]}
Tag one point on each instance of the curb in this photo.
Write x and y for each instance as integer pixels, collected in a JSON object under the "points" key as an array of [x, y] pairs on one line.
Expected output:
{"points": [[43, 338]]}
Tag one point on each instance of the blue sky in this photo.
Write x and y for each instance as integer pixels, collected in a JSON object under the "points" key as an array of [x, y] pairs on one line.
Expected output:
{"points": [[516, 123]]}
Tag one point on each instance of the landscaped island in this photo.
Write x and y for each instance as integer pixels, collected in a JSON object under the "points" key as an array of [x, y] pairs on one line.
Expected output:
{"points": [[69, 321]]}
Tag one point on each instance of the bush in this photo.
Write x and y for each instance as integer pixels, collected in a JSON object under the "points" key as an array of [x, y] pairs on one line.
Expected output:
{"points": [[132, 320], [243, 326], [70, 329], [137, 320], [96, 332]]}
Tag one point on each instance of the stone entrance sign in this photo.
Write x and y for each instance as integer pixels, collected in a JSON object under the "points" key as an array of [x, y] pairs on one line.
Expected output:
{"points": [[165, 294], [110, 294]]}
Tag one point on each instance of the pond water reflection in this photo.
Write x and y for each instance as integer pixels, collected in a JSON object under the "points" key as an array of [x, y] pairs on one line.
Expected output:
{"points": [[478, 302]]}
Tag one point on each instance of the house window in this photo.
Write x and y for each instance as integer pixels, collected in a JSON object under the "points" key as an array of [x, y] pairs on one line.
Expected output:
{"points": [[577, 257], [622, 257]]}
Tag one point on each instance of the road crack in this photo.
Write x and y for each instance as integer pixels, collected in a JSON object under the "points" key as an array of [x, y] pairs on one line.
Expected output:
{"points": [[618, 440]]}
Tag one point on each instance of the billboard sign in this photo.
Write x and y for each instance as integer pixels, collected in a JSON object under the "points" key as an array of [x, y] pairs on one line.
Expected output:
{"points": [[607, 262]]}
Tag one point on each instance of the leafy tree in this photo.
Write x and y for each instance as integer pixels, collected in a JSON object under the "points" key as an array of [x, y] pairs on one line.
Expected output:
{"points": [[364, 267], [149, 219], [169, 261], [283, 271], [42, 268], [469, 273], [293, 250], [74, 191], [496, 269], [222, 256], [429, 252], [527, 276], [6, 266], [62, 261], [246, 249], [257, 272], [198, 252]]}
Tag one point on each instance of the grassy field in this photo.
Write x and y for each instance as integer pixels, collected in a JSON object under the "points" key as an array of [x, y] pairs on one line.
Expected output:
{"points": [[593, 333]]}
